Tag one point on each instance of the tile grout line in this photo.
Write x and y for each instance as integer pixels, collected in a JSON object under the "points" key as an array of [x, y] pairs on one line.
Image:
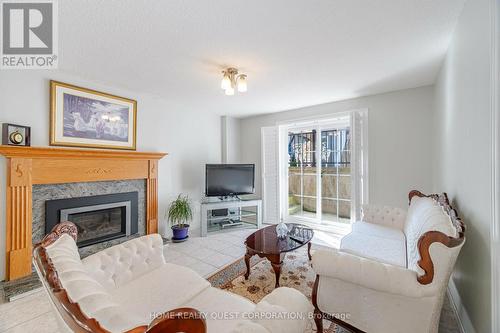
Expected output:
{"points": [[26, 321]]}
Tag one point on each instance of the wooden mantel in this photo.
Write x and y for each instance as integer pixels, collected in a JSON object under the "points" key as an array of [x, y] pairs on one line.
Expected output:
{"points": [[27, 166]]}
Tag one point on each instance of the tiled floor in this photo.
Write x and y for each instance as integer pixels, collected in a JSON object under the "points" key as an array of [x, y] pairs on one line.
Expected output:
{"points": [[204, 255], [208, 255]]}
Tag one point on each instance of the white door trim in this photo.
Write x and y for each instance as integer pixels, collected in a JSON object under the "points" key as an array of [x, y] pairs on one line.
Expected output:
{"points": [[318, 118], [495, 184]]}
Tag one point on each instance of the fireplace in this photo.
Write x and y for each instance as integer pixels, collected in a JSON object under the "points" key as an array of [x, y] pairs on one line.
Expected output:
{"points": [[29, 167], [99, 218]]}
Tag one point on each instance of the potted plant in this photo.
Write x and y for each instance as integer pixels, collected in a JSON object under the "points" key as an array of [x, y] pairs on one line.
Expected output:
{"points": [[179, 213]]}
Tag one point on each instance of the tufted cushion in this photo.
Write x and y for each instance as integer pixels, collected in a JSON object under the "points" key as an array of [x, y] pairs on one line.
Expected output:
{"points": [[383, 215], [376, 242], [122, 263], [82, 288], [424, 214]]}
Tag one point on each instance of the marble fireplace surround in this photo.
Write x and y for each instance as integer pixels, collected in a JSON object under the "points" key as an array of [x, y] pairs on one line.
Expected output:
{"points": [[44, 192], [29, 166]]}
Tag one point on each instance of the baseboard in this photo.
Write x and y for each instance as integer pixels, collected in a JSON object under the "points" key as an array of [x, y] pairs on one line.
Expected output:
{"points": [[463, 317]]}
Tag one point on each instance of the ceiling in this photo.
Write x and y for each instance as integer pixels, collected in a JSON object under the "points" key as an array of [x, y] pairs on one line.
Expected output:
{"points": [[296, 53]]}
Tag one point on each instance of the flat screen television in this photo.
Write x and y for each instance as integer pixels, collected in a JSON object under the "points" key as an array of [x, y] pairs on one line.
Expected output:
{"points": [[222, 180]]}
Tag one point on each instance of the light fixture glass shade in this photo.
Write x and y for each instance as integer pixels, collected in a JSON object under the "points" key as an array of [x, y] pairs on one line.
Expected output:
{"points": [[226, 82], [241, 82], [230, 91]]}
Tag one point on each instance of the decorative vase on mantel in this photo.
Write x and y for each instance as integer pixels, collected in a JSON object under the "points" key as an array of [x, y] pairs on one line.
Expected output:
{"points": [[281, 230]]}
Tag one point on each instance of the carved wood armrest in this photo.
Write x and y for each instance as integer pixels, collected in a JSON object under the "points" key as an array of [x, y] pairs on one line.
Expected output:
{"points": [[56, 232], [186, 320]]}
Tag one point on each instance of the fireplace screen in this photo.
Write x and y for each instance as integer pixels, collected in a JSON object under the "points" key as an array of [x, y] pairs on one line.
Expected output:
{"points": [[99, 222], [97, 218]]}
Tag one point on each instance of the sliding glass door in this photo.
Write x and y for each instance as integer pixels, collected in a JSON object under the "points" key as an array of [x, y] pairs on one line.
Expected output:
{"points": [[302, 173], [335, 175], [318, 171]]}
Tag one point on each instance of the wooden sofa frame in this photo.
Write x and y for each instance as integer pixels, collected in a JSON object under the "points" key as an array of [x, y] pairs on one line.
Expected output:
{"points": [[424, 243], [177, 320]]}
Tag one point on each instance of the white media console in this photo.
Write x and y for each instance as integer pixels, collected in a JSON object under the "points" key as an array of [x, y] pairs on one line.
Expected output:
{"points": [[240, 213]]}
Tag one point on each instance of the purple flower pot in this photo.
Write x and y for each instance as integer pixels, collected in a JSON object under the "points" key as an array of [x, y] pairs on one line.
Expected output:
{"points": [[180, 231]]}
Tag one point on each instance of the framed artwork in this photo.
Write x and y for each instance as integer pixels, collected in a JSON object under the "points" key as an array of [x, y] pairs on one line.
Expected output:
{"points": [[81, 117]]}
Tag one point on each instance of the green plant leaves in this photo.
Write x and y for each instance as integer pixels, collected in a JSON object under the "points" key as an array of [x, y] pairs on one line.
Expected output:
{"points": [[180, 211]]}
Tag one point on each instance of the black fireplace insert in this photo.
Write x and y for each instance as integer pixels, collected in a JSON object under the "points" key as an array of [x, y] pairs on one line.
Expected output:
{"points": [[98, 218]]}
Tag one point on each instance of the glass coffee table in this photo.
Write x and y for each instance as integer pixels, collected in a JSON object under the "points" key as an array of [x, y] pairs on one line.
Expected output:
{"points": [[266, 244]]}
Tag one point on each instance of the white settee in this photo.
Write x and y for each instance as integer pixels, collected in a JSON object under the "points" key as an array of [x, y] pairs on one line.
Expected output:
{"points": [[391, 272], [122, 288]]}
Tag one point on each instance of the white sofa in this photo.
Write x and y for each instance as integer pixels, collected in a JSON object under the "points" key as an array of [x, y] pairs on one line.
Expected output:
{"points": [[123, 287], [391, 272]]}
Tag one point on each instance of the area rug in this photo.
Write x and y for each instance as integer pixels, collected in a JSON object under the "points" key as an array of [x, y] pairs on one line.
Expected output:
{"points": [[296, 273]]}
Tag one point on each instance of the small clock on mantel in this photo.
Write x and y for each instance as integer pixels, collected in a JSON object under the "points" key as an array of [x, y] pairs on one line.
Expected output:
{"points": [[15, 135]]}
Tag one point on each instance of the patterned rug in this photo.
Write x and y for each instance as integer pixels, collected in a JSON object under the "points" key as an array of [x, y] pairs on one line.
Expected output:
{"points": [[296, 273]]}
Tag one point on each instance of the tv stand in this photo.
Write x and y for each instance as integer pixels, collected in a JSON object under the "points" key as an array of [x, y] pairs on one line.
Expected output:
{"points": [[230, 198], [246, 213]]}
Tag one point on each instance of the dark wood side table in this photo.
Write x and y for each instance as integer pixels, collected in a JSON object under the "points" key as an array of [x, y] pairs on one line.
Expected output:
{"points": [[266, 244]]}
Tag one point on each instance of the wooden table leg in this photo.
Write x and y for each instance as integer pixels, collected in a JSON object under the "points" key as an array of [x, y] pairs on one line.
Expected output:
{"points": [[309, 250], [277, 273], [247, 263]]}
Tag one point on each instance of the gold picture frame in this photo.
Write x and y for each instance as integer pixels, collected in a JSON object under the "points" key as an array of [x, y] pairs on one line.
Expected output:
{"points": [[82, 117]]}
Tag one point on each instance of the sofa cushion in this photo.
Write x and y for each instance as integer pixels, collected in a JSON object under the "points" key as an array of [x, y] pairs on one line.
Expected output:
{"points": [[122, 263], [165, 288], [115, 319], [285, 301], [377, 230], [424, 214], [281, 325], [376, 242], [249, 327], [289, 308], [216, 304]]}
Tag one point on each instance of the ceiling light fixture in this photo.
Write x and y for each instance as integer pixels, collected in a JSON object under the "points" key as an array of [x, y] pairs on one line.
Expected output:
{"points": [[229, 91], [226, 81], [232, 81], [241, 83]]}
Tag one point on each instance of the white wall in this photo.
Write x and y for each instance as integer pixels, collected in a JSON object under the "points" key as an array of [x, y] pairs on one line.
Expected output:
{"points": [[399, 135], [463, 155], [191, 138], [230, 127]]}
